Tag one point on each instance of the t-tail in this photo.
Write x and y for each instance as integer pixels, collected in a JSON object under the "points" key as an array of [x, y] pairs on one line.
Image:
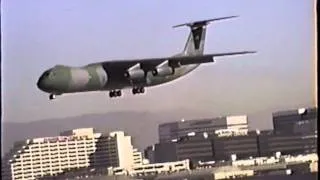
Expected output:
{"points": [[196, 40]]}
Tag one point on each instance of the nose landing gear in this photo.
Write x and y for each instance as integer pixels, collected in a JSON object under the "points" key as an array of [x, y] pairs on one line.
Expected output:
{"points": [[52, 96]]}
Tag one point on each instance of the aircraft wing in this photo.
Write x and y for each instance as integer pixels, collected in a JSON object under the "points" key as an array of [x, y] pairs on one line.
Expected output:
{"points": [[206, 58], [174, 61]]}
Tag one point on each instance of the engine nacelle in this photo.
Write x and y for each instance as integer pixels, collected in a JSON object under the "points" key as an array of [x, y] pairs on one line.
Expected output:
{"points": [[163, 71], [135, 74]]}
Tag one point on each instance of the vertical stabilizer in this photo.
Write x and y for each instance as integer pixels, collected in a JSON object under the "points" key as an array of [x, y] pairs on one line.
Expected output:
{"points": [[197, 36], [195, 42]]}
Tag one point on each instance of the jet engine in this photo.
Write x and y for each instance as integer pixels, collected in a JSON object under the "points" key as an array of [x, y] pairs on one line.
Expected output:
{"points": [[163, 70], [135, 74]]}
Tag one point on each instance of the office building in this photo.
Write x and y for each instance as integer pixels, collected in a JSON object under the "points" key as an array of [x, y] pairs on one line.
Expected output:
{"points": [[303, 121], [174, 130], [196, 147], [74, 149], [242, 146], [227, 143], [161, 152], [149, 153], [288, 144]]}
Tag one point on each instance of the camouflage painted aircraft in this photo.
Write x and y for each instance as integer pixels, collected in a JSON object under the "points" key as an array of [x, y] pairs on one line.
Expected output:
{"points": [[135, 74]]}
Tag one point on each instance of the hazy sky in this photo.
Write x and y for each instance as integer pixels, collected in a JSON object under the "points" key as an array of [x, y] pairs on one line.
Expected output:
{"points": [[37, 35]]}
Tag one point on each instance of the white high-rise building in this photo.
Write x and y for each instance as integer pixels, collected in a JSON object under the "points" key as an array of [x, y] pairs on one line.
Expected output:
{"points": [[79, 148], [125, 150]]}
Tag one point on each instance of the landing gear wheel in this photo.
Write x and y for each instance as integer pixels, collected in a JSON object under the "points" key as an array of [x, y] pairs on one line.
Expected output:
{"points": [[138, 90], [52, 96], [115, 93], [141, 90], [134, 91], [118, 93]]}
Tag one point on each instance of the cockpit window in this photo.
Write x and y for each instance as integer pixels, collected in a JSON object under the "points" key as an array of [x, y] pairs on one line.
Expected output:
{"points": [[46, 74]]}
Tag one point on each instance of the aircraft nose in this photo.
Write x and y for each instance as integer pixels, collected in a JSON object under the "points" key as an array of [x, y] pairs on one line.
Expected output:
{"points": [[42, 81]]}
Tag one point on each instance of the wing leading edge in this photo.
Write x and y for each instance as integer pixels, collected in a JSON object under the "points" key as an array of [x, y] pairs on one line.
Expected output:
{"points": [[149, 63], [166, 66]]}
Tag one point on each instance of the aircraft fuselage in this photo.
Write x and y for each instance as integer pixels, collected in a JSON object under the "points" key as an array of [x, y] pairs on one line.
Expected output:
{"points": [[105, 76]]}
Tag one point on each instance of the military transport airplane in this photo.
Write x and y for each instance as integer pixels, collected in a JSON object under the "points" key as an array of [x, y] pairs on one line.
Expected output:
{"points": [[135, 74]]}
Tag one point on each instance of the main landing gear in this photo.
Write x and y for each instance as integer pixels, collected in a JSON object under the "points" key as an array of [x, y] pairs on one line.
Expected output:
{"points": [[138, 90], [115, 93]]}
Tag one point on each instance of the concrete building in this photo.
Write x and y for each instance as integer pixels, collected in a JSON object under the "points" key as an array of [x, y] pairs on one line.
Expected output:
{"points": [[158, 168], [243, 146], [219, 145], [124, 150], [195, 147], [137, 157], [149, 153], [161, 152], [289, 144], [174, 130], [74, 149], [226, 143], [303, 120]]}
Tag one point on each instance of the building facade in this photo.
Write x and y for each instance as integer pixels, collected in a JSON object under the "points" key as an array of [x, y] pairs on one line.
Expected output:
{"points": [[137, 157], [161, 152], [149, 153], [195, 147], [74, 149], [303, 121], [225, 144], [287, 144], [243, 146], [173, 130]]}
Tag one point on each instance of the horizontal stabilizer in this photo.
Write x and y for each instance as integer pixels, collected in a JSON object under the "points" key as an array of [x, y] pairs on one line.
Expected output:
{"points": [[203, 22], [233, 53]]}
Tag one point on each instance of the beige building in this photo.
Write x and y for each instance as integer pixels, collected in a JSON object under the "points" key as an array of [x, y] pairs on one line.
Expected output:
{"points": [[78, 148], [137, 157]]}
